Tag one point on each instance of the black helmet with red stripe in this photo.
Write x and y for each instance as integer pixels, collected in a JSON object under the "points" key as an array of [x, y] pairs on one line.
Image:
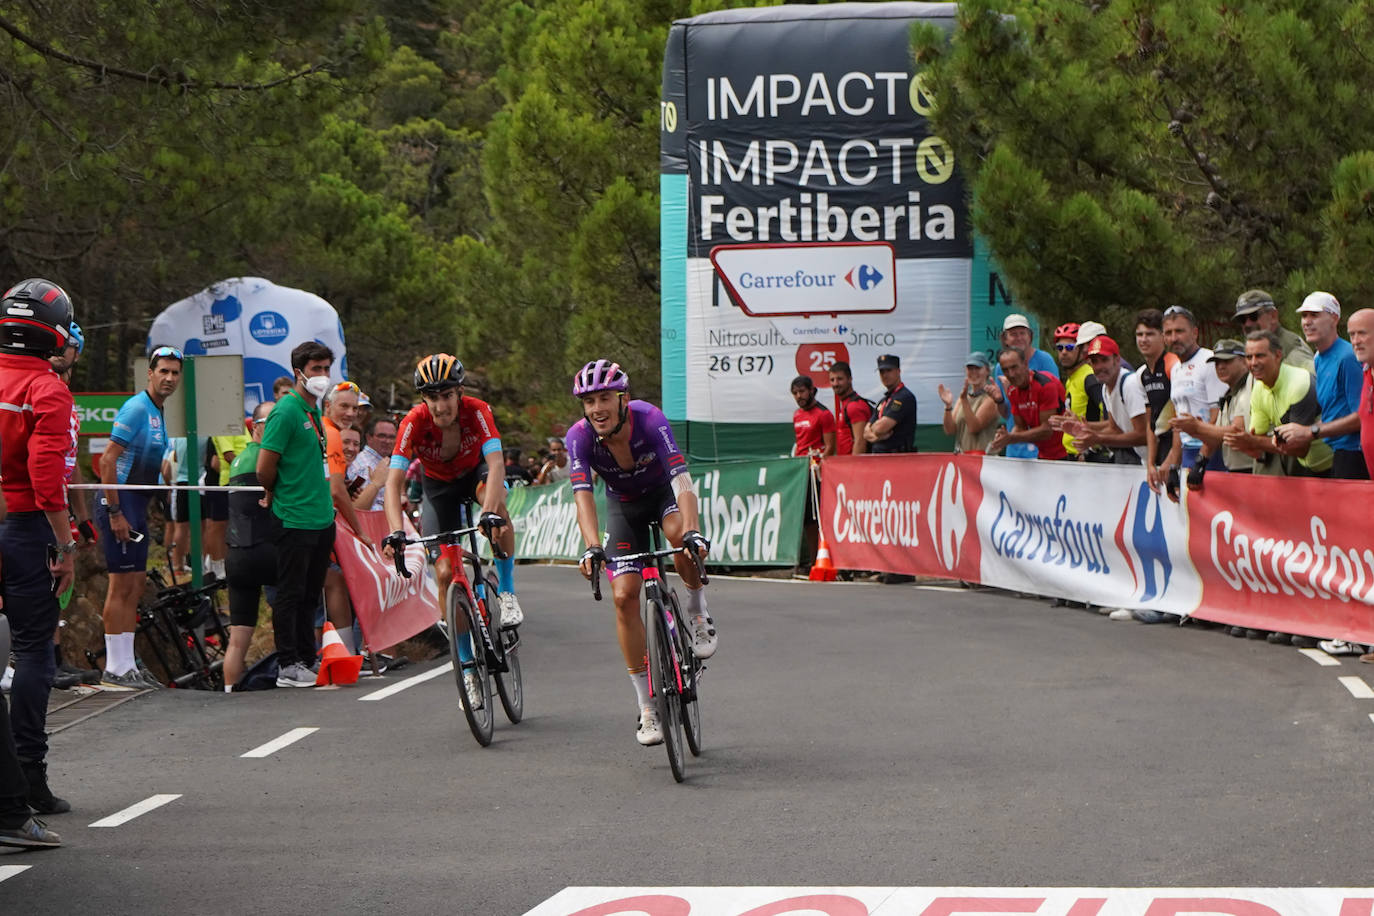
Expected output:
{"points": [[35, 318]]}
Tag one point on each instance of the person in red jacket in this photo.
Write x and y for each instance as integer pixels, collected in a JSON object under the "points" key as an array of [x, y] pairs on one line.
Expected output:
{"points": [[36, 543]]}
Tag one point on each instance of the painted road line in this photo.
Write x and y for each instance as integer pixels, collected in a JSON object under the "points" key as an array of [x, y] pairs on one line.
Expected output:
{"points": [[9, 871], [408, 683], [1357, 687], [941, 588], [277, 744], [133, 811], [1320, 657]]}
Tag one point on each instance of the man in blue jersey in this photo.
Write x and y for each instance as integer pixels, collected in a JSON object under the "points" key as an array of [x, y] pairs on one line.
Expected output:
{"points": [[134, 456], [630, 445]]}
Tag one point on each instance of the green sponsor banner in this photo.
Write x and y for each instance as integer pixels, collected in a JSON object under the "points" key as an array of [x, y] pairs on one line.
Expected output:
{"points": [[97, 410], [751, 512]]}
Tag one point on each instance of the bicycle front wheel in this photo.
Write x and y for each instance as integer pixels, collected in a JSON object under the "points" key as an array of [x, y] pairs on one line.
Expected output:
{"points": [[479, 713], [663, 679], [691, 669], [509, 683]]}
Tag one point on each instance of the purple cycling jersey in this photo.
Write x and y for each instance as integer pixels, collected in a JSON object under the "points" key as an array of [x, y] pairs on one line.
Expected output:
{"points": [[653, 451]]}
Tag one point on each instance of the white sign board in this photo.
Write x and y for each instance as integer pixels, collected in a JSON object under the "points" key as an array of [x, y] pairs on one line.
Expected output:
{"points": [[821, 278], [219, 396]]}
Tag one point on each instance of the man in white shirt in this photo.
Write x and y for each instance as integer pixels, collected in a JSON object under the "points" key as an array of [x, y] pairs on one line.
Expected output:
{"points": [[1124, 431], [1194, 388]]}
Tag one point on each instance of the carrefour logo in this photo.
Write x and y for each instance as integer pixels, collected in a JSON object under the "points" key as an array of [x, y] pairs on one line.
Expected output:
{"points": [[1146, 549], [863, 277], [945, 516], [269, 327]]}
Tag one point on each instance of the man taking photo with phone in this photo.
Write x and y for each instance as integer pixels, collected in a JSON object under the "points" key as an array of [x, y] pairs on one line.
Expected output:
{"points": [[134, 456]]}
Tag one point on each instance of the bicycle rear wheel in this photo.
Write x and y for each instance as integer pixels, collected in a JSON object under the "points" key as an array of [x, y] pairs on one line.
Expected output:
{"points": [[509, 683], [691, 668], [663, 679], [480, 719]]}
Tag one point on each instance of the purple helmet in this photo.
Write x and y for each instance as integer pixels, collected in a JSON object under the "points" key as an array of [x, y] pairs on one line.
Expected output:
{"points": [[600, 375]]}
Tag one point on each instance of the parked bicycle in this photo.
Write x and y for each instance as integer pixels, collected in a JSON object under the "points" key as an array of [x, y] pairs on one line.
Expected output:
{"points": [[674, 669], [495, 651], [186, 635]]}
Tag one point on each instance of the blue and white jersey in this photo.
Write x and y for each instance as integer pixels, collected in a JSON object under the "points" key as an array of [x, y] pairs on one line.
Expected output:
{"points": [[139, 428]]}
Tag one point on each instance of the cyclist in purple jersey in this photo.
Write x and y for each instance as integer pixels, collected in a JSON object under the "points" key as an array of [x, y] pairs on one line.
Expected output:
{"points": [[631, 446]]}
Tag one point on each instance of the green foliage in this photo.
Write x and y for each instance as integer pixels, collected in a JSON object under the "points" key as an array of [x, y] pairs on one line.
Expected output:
{"points": [[1141, 153]]}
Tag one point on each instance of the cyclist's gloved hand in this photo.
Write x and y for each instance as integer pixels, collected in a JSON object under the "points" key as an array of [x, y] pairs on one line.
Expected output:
{"points": [[1171, 483], [88, 532], [396, 540], [695, 542], [490, 521], [593, 554]]}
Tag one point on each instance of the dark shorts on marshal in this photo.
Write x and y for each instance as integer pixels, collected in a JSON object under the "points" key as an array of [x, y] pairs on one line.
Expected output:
{"points": [[627, 527], [125, 556]]}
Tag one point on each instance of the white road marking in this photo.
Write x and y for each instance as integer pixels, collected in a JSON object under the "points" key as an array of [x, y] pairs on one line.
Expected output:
{"points": [[1320, 657], [277, 744], [408, 683], [1357, 687], [941, 588], [133, 811], [9, 871]]}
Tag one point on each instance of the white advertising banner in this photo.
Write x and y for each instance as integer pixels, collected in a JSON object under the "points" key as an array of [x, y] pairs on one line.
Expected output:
{"points": [[254, 318], [843, 278], [1094, 533]]}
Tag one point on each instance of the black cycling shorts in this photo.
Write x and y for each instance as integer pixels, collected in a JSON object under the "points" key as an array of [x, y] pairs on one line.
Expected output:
{"points": [[627, 527], [445, 502]]}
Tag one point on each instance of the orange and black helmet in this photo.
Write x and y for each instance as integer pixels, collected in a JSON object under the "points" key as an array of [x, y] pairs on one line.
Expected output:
{"points": [[437, 372]]}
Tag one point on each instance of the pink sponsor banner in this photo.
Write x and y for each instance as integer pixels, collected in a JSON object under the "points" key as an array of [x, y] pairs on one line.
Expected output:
{"points": [[911, 514], [389, 608], [1287, 554]]}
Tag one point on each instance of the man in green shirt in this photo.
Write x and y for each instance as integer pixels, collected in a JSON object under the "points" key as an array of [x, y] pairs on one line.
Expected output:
{"points": [[1282, 393], [291, 468]]}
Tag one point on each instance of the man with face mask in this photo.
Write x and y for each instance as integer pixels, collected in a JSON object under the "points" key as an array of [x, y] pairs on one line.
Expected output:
{"points": [[291, 468]]}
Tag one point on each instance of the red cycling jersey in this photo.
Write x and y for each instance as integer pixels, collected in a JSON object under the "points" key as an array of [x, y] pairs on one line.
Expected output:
{"points": [[418, 436]]}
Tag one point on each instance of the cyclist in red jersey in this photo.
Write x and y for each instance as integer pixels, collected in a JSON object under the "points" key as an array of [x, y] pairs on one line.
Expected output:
{"points": [[459, 447]]}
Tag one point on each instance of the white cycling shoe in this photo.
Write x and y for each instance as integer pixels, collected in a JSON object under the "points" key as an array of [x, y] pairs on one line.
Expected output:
{"points": [[704, 636], [511, 613], [649, 732], [473, 684]]}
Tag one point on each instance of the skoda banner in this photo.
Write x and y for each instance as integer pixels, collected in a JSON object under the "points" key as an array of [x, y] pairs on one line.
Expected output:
{"points": [[796, 156], [254, 318], [751, 512]]}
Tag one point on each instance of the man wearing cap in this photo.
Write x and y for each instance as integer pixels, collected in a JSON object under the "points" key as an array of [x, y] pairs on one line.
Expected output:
{"points": [[1016, 334], [812, 425], [852, 411], [1194, 388], [1255, 311], [1233, 413], [972, 417], [1123, 431], [1339, 382], [1033, 398], [1083, 390], [895, 429], [1282, 393]]}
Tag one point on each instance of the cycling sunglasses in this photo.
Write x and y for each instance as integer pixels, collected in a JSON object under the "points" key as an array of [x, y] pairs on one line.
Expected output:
{"points": [[167, 351]]}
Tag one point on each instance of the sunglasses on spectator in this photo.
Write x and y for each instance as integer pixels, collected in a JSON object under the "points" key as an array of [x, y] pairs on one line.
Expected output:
{"points": [[167, 351], [1066, 347], [1180, 310], [346, 386]]}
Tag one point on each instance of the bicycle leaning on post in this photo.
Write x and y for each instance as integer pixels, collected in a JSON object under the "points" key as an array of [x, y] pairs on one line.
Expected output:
{"points": [[674, 669], [495, 650]]}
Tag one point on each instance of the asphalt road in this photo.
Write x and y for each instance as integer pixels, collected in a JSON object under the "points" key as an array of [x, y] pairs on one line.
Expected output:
{"points": [[857, 735]]}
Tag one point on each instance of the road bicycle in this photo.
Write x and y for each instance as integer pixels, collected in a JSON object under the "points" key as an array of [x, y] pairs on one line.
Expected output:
{"points": [[674, 669], [184, 629], [496, 650]]}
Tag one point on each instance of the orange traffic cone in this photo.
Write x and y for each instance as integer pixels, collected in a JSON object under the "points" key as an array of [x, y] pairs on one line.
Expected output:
{"points": [[822, 570], [336, 665]]}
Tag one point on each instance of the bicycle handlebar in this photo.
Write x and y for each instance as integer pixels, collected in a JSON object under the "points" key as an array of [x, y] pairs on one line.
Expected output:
{"points": [[647, 555], [443, 537]]}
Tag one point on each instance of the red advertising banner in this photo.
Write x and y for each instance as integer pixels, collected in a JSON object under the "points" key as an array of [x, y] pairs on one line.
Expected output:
{"points": [[1289, 554], [389, 608], [903, 513]]}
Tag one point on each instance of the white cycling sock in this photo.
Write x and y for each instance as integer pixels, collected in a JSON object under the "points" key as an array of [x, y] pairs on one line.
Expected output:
{"points": [[696, 601], [641, 682], [119, 653]]}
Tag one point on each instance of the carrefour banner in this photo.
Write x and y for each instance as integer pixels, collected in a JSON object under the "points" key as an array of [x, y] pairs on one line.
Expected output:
{"points": [[1268, 553], [784, 129], [257, 319], [751, 512]]}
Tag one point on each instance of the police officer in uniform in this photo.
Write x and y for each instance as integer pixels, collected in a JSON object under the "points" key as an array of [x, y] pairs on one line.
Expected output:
{"points": [[894, 430]]}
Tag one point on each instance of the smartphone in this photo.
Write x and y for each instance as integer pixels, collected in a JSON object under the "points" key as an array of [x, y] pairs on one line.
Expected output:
{"points": [[135, 536]]}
